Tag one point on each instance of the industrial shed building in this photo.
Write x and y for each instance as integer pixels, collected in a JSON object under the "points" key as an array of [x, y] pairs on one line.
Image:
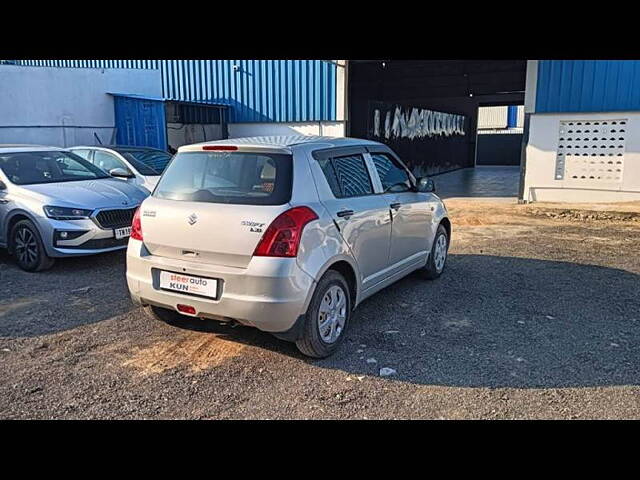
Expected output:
{"points": [[582, 131], [169, 102], [570, 123]]}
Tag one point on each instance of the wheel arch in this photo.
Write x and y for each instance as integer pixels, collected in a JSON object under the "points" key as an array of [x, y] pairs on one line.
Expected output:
{"points": [[11, 221], [346, 266], [345, 269], [446, 223]]}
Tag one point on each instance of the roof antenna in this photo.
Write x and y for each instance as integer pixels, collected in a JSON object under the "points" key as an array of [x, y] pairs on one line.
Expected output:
{"points": [[97, 138]]}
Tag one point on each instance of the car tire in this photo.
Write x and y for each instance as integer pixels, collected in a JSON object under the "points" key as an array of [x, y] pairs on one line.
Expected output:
{"points": [[28, 249], [327, 318], [438, 257], [160, 314]]}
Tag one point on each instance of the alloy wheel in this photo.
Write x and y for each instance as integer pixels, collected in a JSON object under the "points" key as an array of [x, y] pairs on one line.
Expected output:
{"points": [[26, 247], [332, 314], [440, 252]]}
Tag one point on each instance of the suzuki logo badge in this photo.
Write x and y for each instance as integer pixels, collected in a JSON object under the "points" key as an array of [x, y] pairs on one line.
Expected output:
{"points": [[193, 218]]}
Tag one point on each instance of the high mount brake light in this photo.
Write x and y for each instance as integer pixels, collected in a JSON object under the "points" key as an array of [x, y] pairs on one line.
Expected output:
{"points": [[282, 238], [220, 147], [136, 226]]}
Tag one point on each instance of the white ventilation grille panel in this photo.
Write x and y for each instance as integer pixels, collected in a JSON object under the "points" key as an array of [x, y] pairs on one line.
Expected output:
{"points": [[591, 152]]}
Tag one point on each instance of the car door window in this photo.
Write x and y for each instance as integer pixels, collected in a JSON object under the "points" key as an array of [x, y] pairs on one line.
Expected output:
{"points": [[347, 176], [393, 176], [26, 168], [107, 161], [83, 153], [331, 176]]}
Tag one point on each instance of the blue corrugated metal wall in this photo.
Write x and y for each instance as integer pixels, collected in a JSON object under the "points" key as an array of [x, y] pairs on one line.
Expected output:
{"points": [[151, 64], [257, 90], [588, 85], [140, 122], [512, 116]]}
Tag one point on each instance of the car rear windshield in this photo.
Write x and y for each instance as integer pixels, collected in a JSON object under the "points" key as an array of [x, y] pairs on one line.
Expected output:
{"points": [[245, 178], [147, 162], [29, 168]]}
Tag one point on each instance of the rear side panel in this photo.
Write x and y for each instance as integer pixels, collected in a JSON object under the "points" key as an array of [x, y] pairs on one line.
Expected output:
{"points": [[362, 238]]}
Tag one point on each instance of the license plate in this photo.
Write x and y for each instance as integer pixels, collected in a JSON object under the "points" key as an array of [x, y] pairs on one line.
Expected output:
{"points": [[122, 232], [177, 282]]}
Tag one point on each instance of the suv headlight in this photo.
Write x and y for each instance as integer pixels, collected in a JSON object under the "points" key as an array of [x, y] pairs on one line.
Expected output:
{"points": [[64, 213]]}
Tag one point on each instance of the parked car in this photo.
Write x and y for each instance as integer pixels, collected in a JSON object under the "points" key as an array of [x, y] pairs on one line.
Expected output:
{"points": [[140, 166], [54, 203], [286, 234]]}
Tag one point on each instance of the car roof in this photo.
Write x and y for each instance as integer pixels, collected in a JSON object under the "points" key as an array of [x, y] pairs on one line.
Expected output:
{"points": [[284, 142], [116, 147], [19, 148]]}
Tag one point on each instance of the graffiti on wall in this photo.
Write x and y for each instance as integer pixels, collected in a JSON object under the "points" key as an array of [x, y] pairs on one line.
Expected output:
{"points": [[411, 123]]}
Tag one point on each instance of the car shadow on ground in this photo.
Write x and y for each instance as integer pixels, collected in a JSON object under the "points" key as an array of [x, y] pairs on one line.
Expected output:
{"points": [[489, 321], [75, 291]]}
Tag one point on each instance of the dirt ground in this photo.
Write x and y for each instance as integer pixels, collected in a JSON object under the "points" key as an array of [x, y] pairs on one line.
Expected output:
{"points": [[536, 316]]}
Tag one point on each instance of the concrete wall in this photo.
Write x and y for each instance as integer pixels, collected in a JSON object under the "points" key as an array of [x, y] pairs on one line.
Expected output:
{"points": [[617, 181], [331, 129], [65, 106]]}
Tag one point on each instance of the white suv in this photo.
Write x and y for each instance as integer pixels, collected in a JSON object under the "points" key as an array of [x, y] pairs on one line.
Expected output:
{"points": [[286, 234]]}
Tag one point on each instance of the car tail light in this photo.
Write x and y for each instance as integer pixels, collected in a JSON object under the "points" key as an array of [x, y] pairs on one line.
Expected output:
{"points": [[282, 238], [136, 227], [186, 309], [220, 147]]}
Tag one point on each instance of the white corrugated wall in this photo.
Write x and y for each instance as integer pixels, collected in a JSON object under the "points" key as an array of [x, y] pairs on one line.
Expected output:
{"points": [[492, 117], [497, 117]]}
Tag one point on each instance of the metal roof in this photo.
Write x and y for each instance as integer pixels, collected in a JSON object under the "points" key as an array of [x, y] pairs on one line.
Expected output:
{"points": [[116, 147], [160, 99], [133, 95], [129, 64]]}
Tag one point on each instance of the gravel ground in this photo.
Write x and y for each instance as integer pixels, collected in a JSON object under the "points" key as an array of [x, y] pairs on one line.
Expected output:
{"points": [[537, 316]]}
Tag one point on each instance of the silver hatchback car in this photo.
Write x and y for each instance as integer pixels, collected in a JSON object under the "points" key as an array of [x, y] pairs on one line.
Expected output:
{"points": [[56, 204], [286, 234]]}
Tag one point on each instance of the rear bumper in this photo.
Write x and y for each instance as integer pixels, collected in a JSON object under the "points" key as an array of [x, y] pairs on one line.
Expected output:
{"points": [[270, 294]]}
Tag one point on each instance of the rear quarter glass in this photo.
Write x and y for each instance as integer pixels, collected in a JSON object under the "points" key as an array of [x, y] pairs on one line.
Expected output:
{"points": [[242, 178]]}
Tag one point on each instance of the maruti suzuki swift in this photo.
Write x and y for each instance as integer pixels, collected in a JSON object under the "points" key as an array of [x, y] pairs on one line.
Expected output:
{"points": [[285, 234]]}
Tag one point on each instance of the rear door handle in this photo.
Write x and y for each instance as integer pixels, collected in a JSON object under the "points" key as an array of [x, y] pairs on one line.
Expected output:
{"points": [[395, 206], [345, 213], [3, 201]]}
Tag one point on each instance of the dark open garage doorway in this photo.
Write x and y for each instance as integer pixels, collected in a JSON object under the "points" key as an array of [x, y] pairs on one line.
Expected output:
{"points": [[427, 110]]}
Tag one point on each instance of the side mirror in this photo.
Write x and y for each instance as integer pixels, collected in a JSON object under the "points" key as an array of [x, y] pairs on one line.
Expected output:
{"points": [[3, 186], [120, 173], [426, 185]]}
